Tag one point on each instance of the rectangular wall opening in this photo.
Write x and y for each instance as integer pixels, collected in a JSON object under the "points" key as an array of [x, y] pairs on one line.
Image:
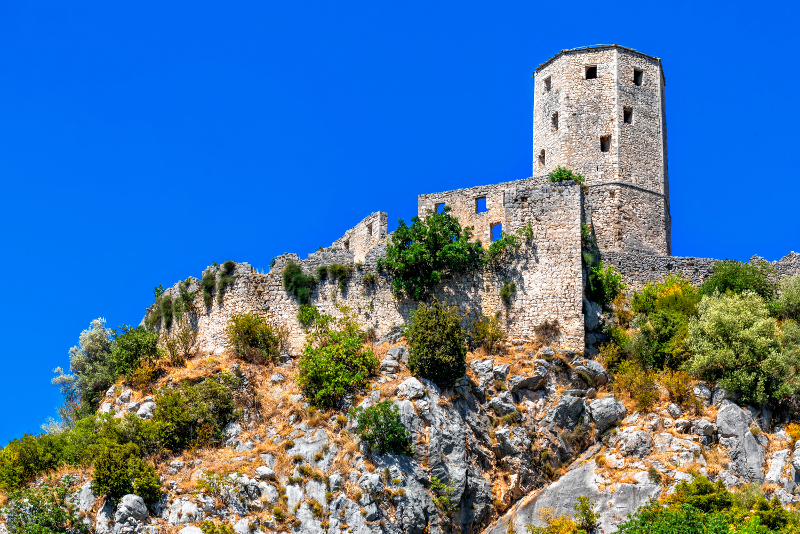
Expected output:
{"points": [[480, 205], [554, 119], [497, 231], [547, 84], [605, 143], [347, 245], [439, 207], [591, 72], [369, 230], [637, 76], [541, 158], [627, 115]]}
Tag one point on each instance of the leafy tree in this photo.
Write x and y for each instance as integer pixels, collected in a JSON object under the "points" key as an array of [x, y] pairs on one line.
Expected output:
{"points": [[132, 347], [379, 427], [736, 342], [421, 255], [738, 277], [436, 343]]}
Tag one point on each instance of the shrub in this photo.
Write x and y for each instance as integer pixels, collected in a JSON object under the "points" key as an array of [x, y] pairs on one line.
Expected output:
{"points": [[561, 174], [671, 287], [369, 279], [639, 384], [421, 255], [585, 516], [787, 305], [134, 346], [328, 371], [297, 283], [208, 284], [678, 384], [500, 249], [120, 470], [603, 284], [226, 278], [379, 427], [621, 308], [165, 303], [486, 332], [25, 458], [506, 291], [443, 495], [209, 527], [548, 331], [738, 277], [339, 273], [254, 339], [180, 341], [436, 344], [44, 510], [736, 342]]}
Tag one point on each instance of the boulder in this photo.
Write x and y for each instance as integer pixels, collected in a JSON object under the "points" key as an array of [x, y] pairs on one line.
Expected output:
{"points": [[500, 372], [564, 415], [674, 410], [131, 507], [399, 354], [411, 388], [502, 404], [702, 391], [777, 466], [682, 425], [264, 472], [125, 397], [520, 382], [483, 368], [606, 412], [276, 378], [702, 427], [638, 443], [145, 411], [592, 315], [190, 530]]}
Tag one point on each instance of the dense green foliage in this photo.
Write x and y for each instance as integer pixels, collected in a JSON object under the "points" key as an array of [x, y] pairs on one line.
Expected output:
{"points": [[603, 283], [254, 339], [738, 277], [421, 255], [787, 305], [208, 284], [501, 249], [506, 291], [486, 332], [561, 174], [43, 510], [379, 427], [226, 278], [119, 469], [132, 347], [436, 343], [339, 273], [297, 283], [736, 342], [701, 507]]}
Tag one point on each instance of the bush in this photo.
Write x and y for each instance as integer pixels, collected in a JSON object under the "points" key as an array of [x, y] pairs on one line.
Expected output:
{"points": [[254, 339], [421, 255], [738, 277], [25, 458], [339, 273], [585, 516], [603, 284], [735, 342], [226, 278], [132, 347], [639, 384], [787, 305], [436, 344], [297, 283], [672, 287], [500, 249], [561, 174], [208, 284], [506, 291], [120, 470], [486, 332], [209, 527], [165, 303], [339, 365], [679, 386], [43, 510], [379, 427]]}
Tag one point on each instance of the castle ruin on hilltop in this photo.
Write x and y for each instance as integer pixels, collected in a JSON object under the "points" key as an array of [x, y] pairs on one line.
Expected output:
{"points": [[599, 111]]}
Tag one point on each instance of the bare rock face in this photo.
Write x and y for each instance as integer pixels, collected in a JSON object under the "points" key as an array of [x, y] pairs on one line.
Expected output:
{"points": [[746, 452], [605, 412]]}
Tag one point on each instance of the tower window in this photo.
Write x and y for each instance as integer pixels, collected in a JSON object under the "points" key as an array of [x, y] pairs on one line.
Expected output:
{"points": [[497, 231], [547, 84], [541, 158], [369, 230], [637, 76], [439, 208], [627, 115], [605, 143], [555, 121], [480, 205], [591, 72]]}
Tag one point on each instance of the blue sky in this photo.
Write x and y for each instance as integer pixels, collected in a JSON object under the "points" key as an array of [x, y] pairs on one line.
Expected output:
{"points": [[139, 142]]}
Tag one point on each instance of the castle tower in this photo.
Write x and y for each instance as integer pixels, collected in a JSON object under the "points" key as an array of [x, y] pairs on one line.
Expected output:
{"points": [[600, 111]]}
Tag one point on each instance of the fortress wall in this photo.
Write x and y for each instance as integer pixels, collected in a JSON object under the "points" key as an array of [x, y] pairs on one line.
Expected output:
{"points": [[463, 203], [626, 219], [365, 235], [641, 154], [547, 273]]}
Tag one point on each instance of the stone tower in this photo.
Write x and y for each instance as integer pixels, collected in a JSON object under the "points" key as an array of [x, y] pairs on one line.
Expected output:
{"points": [[600, 111]]}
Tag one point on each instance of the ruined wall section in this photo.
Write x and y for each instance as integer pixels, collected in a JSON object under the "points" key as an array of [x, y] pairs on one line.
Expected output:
{"points": [[639, 269], [464, 205], [365, 235], [626, 219]]}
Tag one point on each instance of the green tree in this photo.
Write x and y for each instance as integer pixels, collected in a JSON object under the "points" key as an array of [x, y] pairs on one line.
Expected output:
{"points": [[132, 347], [379, 427], [420, 256], [120, 470], [738, 277], [436, 343]]}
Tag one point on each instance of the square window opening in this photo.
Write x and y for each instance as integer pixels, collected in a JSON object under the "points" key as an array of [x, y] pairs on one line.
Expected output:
{"points": [[627, 115], [637, 76], [480, 205], [548, 83], [605, 143], [541, 158], [439, 207], [555, 121], [591, 72]]}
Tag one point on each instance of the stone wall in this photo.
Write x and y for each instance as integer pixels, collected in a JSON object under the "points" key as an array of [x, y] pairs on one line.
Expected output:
{"points": [[365, 235], [546, 271]]}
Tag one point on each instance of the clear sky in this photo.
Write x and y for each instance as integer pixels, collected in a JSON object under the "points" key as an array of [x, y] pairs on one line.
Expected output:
{"points": [[142, 141]]}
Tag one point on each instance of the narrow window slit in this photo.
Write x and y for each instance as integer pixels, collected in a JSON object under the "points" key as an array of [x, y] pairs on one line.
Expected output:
{"points": [[605, 143]]}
